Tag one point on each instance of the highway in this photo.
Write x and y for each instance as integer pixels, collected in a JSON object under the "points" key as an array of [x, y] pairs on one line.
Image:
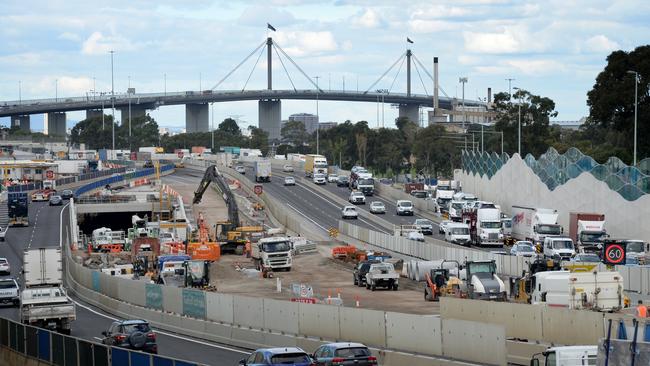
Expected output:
{"points": [[44, 231]]}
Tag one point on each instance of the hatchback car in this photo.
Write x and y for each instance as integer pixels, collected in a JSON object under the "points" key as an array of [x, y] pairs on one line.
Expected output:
{"points": [[349, 212], [523, 249], [425, 226], [332, 178], [404, 207], [4, 266], [332, 354], [240, 169], [289, 181], [66, 194], [377, 207], [287, 168], [319, 178], [357, 197], [277, 356], [56, 200], [131, 334], [342, 181]]}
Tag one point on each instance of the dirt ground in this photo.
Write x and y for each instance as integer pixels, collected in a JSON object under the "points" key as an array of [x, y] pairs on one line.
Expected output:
{"points": [[327, 276]]}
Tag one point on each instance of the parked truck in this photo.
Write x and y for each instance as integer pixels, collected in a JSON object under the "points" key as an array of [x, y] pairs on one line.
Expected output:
{"points": [[382, 275], [315, 164], [263, 171], [43, 301], [534, 224], [484, 224], [481, 281], [18, 203], [270, 254], [587, 230]]}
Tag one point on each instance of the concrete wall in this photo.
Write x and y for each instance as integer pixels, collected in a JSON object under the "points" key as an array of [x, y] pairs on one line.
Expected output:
{"points": [[516, 184]]}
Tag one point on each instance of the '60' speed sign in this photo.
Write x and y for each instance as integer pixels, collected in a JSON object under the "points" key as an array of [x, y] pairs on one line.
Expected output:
{"points": [[614, 253]]}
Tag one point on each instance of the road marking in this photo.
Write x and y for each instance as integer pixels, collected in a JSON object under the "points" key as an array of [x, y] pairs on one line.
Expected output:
{"points": [[97, 338], [164, 333], [307, 217]]}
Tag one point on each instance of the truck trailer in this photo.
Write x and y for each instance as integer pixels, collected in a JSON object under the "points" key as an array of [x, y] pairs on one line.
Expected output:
{"points": [[263, 171], [534, 224], [587, 230], [315, 164]]}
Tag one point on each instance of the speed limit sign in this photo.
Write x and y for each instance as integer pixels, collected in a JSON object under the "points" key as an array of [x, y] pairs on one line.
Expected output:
{"points": [[614, 253], [49, 174], [258, 189]]}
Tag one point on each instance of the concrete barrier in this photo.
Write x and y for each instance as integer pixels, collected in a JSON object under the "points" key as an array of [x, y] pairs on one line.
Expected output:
{"points": [[368, 326], [414, 333], [249, 311], [281, 316], [564, 326], [220, 307], [473, 341], [320, 320]]}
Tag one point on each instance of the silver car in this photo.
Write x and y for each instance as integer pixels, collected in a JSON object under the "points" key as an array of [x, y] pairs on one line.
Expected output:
{"points": [[289, 181], [523, 249], [4, 266], [377, 207]]}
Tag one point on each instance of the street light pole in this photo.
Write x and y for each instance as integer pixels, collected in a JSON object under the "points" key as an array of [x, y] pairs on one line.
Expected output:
{"points": [[463, 80], [56, 90], [519, 128], [212, 107], [510, 88], [20, 96], [113, 97], [636, 101], [317, 118]]}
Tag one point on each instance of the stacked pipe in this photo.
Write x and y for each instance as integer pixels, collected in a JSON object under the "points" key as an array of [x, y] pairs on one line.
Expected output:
{"points": [[417, 270]]}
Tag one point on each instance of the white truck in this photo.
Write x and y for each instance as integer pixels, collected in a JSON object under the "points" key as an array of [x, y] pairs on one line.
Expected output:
{"points": [[458, 233], [382, 275], [443, 198], [484, 224], [566, 356], [263, 171], [456, 208], [599, 291], [43, 301], [365, 183], [270, 254], [534, 224], [559, 248]]}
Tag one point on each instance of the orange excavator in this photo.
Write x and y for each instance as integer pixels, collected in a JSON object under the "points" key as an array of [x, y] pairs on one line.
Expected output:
{"points": [[204, 247]]}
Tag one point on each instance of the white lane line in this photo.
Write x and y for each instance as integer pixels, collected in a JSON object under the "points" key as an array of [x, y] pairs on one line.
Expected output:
{"points": [[97, 338], [305, 216], [165, 333]]}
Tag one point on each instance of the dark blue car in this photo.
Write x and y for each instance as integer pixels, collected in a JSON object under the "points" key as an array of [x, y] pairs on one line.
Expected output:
{"points": [[277, 356]]}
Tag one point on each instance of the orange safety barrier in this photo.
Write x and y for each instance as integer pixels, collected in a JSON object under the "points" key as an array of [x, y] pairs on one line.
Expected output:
{"points": [[343, 251], [173, 248], [208, 251]]}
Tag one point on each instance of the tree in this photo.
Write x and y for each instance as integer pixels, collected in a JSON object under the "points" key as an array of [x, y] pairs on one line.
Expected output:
{"points": [[144, 132], [436, 154], [611, 103], [294, 132], [259, 139], [90, 132], [229, 126]]}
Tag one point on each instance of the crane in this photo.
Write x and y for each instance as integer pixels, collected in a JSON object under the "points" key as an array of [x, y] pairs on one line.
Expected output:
{"points": [[230, 234]]}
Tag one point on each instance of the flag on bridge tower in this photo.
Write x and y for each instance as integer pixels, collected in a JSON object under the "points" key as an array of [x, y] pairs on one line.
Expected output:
{"points": [[268, 25], [408, 40]]}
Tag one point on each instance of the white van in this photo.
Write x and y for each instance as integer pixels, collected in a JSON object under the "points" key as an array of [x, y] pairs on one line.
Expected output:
{"points": [[457, 233], [559, 248]]}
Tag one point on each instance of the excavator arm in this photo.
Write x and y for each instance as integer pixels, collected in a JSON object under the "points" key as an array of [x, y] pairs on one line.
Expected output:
{"points": [[212, 175]]}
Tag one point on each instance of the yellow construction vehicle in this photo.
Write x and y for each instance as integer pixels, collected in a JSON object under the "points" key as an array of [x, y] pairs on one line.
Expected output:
{"points": [[522, 287]]}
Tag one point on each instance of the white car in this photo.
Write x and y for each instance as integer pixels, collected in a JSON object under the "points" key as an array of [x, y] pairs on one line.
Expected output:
{"points": [[287, 168], [416, 235], [377, 207], [442, 227], [240, 169], [523, 249], [289, 181], [349, 212], [357, 197], [3, 233], [404, 207], [4, 266], [319, 179], [332, 178]]}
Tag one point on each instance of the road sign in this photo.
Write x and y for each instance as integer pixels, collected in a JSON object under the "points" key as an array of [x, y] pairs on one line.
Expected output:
{"points": [[334, 232], [614, 253], [258, 189], [304, 300], [49, 174]]}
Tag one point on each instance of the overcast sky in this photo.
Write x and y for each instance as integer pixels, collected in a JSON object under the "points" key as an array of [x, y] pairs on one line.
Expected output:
{"points": [[552, 48]]}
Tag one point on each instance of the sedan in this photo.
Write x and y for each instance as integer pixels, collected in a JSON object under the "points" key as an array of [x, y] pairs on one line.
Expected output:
{"points": [[425, 226], [349, 212], [332, 178], [289, 181], [66, 194], [287, 168], [240, 169], [342, 181], [442, 228], [4, 266], [56, 200], [355, 354], [415, 235], [377, 207], [523, 249]]}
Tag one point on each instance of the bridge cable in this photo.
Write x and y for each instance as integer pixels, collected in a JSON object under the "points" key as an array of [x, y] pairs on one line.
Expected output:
{"points": [[396, 75], [297, 67], [285, 69], [253, 69], [241, 63], [420, 76], [430, 76], [386, 72]]}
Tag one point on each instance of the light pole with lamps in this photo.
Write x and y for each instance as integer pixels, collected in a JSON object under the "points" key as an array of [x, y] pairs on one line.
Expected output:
{"points": [[317, 117], [519, 129], [463, 80], [636, 101]]}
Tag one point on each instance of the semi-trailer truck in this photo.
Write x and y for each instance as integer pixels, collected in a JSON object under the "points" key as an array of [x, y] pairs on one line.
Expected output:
{"points": [[534, 224], [587, 230], [262, 171], [484, 224], [315, 164]]}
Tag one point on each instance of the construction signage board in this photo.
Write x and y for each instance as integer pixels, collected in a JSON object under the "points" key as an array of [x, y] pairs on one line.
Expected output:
{"points": [[154, 296], [258, 189], [194, 303], [304, 300], [614, 253]]}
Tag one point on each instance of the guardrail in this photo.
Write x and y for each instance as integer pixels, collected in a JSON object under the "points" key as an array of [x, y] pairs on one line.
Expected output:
{"points": [[57, 349]]}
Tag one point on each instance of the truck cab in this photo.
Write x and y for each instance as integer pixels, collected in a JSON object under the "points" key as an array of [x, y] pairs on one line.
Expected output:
{"points": [[559, 248], [456, 208], [366, 184], [272, 254], [488, 225], [637, 252], [591, 235], [483, 282], [567, 356]]}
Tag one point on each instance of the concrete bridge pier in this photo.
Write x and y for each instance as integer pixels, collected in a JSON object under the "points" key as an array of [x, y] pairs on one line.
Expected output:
{"points": [[22, 121], [93, 113], [196, 117], [54, 124], [410, 111], [270, 117], [137, 110]]}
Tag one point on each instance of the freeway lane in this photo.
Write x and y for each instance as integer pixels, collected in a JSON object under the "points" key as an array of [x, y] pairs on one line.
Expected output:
{"points": [[44, 231]]}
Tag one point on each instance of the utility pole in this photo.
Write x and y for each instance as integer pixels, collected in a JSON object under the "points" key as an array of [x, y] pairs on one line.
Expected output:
{"points": [[344, 83], [212, 107], [317, 118], [636, 101], [113, 97], [510, 80], [20, 96], [463, 80], [519, 127]]}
